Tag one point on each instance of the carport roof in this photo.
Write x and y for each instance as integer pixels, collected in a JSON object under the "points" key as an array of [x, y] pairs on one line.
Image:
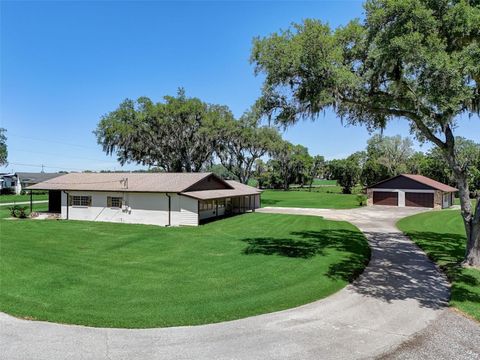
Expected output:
{"points": [[239, 189]]}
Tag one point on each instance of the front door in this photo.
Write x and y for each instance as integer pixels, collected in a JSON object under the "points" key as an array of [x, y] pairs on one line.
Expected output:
{"points": [[446, 198]]}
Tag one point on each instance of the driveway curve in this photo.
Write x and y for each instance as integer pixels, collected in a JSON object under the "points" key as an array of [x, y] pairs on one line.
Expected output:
{"points": [[398, 295]]}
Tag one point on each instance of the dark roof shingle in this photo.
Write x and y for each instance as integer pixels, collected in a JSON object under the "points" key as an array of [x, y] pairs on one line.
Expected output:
{"points": [[430, 182], [422, 180]]}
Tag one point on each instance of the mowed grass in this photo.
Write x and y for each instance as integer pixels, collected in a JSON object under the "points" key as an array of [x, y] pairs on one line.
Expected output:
{"points": [[21, 198], [5, 212], [442, 236], [138, 276], [326, 197], [323, 182]]}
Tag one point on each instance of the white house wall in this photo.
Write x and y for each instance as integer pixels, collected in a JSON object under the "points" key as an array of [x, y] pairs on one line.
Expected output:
{"points": [[186, 211], [146, 208]]}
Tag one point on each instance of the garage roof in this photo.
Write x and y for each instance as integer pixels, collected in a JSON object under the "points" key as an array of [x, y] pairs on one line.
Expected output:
{"points": [[422, 180]]}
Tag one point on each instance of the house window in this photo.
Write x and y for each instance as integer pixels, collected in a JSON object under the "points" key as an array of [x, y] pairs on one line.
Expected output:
{"points": [[207, 205], [114, 202], [81, 200]]}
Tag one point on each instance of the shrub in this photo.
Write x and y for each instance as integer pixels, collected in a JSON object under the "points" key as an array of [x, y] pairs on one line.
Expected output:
{"points": [[7, 191], [362, 199], [18, 211]]}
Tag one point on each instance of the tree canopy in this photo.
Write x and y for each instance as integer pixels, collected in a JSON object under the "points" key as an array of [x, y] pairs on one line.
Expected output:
{"points": [[185, 134], [414, 59], [173, 135], [240, 143]]}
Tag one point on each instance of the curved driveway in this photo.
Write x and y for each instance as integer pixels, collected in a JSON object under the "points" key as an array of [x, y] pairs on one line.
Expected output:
{"points": [[399, 294]]}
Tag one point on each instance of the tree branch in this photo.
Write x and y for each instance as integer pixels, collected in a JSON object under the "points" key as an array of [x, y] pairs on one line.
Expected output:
{"points": [[424, 129]]}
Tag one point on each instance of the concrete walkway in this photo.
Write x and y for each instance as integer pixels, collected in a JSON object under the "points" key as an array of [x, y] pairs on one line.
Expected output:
{"points": [[24, 202], [400, 293]]}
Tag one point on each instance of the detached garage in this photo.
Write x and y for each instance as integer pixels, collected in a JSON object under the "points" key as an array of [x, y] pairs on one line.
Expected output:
{"points": [[411, 190]]}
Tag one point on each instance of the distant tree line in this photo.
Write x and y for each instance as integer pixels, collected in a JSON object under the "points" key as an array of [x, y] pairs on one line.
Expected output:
{"points": [[384, 157], [185, 134]]}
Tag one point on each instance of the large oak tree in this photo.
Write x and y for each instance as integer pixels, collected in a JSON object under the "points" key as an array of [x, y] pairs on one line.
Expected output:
{"points": [[418, 60], [242, 142], [174, 135]]}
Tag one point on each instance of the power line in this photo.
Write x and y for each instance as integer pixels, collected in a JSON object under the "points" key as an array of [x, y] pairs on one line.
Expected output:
{"points": [[51, 141], [57, 155], [44, 166]]}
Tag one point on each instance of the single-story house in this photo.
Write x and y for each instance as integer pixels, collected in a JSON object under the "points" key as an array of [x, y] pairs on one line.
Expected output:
{"points": [[411, 190], [165, 199], [16, 182]]}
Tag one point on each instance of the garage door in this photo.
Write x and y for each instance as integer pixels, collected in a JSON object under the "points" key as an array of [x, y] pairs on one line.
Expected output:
{"points": [[385, 198], [419, 199]]}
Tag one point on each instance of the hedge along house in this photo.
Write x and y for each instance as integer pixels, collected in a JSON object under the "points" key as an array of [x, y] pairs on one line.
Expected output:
{"points": [[411, 190], [165, 199]]}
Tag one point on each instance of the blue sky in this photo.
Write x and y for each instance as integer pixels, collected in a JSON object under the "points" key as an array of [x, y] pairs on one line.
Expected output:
{"points": [[65, 64]]}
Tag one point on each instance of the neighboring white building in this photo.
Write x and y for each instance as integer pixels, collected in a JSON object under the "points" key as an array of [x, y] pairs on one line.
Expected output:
{"points": [[166, 199], [7, 182], [16, 182]]}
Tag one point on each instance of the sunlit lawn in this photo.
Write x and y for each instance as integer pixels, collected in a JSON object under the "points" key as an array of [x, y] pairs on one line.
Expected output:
{"points": [[326, 197], [21, 198], [136, 276]]}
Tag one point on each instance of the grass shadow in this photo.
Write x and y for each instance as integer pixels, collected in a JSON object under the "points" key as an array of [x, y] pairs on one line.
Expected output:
{"points": [[448, 250], [307, 244], [269, 202]]}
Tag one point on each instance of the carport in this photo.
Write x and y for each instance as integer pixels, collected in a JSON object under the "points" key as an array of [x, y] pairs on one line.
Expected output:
{"points": [[54, 201]]}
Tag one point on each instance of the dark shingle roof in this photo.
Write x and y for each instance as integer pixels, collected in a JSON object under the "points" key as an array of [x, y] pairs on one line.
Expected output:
{"points": [[430, 182], [33, 178], [422, 180]]}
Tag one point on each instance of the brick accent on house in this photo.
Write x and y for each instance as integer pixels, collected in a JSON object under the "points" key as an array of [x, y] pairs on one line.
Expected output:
{"points": [[437, 200]]}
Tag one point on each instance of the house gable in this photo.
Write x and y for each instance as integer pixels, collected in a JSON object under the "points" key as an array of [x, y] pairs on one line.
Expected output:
{"points": [[211, 182]]}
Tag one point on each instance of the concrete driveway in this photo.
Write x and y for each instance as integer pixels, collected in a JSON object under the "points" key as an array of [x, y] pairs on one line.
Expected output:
{"points": [[400, 293]]}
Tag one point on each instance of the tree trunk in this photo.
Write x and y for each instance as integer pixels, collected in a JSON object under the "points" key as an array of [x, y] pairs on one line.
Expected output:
{"points": [[471, 220], [472, 255]]}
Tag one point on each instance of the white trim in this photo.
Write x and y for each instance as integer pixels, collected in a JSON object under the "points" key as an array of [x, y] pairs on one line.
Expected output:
{"points": [[405, 190]]}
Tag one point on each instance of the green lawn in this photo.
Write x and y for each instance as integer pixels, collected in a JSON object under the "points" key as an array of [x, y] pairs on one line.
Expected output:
{"points": [[322, 182], [442, 236], [5, 213], [456, 201], [136, 276], [17, 198], [328, 197]]}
